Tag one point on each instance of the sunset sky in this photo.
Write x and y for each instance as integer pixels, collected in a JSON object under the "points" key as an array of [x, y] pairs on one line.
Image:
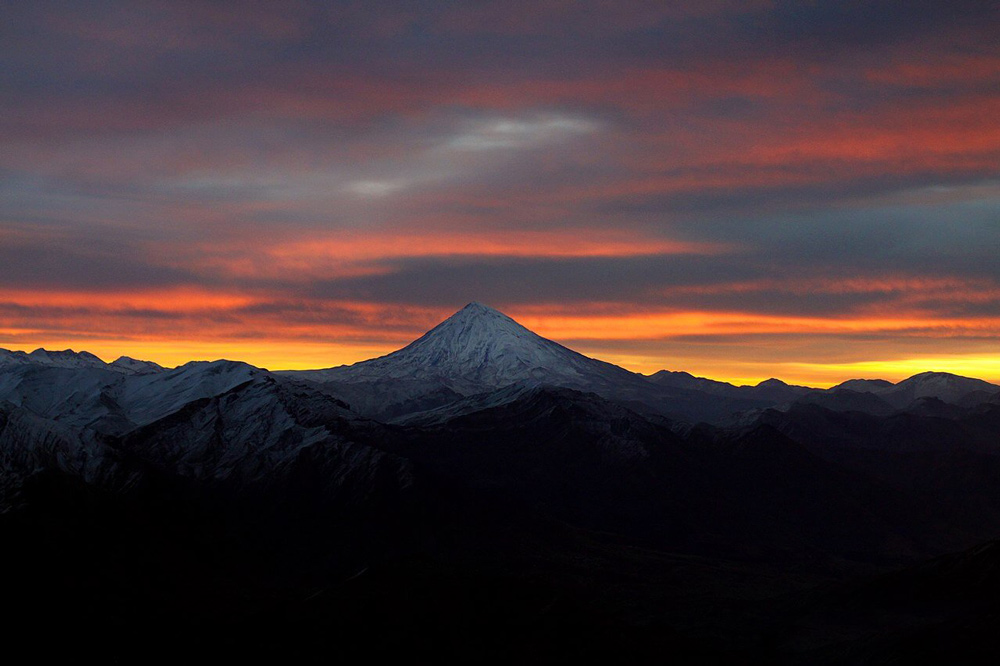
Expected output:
{"points": [[739, 189]]}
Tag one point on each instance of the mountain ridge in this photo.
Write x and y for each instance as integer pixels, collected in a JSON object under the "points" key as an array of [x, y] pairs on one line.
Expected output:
{"points": [[479, 350]]}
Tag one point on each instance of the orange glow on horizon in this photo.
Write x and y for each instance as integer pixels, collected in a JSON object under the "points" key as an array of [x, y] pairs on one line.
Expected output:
{"points": [[666, 325], [818, 375], [609, 337], [776, 195], [299, 355]]}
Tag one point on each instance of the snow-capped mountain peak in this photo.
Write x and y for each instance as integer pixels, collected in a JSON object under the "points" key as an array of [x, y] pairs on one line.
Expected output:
{"points": [[478, 336], [479, 348]]}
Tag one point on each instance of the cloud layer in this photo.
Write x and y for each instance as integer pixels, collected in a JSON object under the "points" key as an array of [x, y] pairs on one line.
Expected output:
{"points": [[724, 188]]}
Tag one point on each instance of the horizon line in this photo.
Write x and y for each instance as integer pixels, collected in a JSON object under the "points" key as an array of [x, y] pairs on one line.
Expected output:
{"points": [[894, 378]]}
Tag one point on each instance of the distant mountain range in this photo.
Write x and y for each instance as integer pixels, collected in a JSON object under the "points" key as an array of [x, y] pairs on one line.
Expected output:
{"points": [[479, 350], [484, 489]]}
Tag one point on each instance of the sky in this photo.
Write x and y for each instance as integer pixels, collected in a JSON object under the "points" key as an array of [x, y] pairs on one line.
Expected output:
{"points": [[739, 189]]}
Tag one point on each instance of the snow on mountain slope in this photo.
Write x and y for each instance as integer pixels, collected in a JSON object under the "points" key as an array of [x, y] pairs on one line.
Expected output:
{"points": [[106, 400], [135, 366], [68, 358], [10, 358], [147, 398], [223, 421], [479, 348], [72, 396], [244, 433], [56, 359]]}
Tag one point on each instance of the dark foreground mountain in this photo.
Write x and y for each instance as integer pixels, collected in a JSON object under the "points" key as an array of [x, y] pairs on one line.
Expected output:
{"points": [[524, 503]]}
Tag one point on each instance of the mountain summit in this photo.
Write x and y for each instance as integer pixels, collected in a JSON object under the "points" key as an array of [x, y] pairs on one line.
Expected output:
{"points": [[478, 349]]}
